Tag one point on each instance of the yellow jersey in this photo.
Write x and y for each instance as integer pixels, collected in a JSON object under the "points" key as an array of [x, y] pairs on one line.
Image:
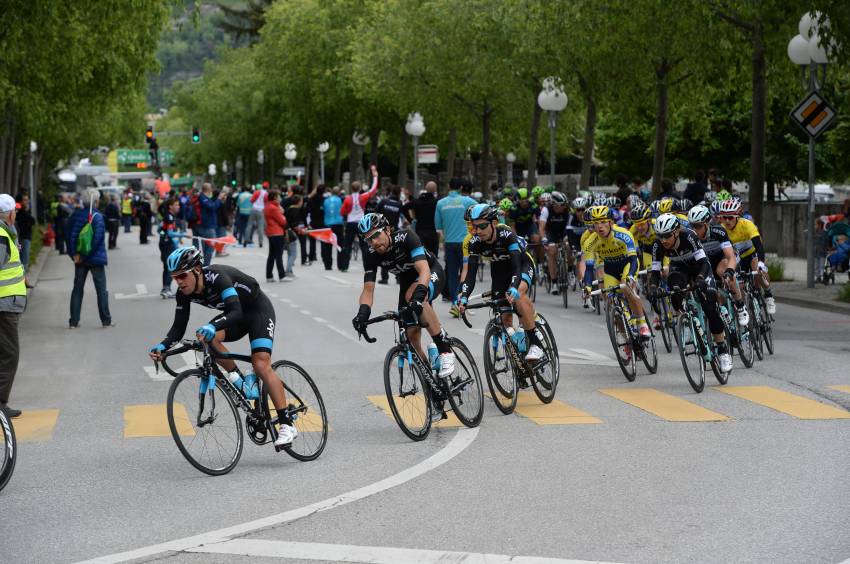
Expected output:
{"points": [[588, 243], [742, 236]]}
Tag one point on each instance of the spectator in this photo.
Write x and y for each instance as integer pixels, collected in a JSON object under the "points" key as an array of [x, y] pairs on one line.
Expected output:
{"points": [[24, 223], [422, 211], [623, 190], [182, 223], [126, 211], [224, 218], [696, 190], [243, 215], [668, 189], [13, 300], [296, 214], [94, 262], [275, 223], [169, 240], [209, 219], [714, 180], [258, 201], [353, 210], [144, 212], [113, 221], [390, 207], [333, 220], [449, 220], [315, 217]]}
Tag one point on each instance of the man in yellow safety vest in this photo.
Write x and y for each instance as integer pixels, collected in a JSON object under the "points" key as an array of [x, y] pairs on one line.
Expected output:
{"points": [[13, 300]]}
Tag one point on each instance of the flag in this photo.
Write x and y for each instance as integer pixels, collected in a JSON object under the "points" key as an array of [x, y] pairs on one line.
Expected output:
{"points": [[218, 243], [325, 236]]}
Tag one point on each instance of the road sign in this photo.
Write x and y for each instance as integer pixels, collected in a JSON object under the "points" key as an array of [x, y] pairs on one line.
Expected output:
{"points": [[428, 154], [293, 171], [813, 114], [132, 157]]}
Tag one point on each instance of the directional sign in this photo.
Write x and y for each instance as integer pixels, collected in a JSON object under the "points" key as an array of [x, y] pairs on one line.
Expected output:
{"points": [[293, 171], [428, 154], [813, 114], [132, 157]]}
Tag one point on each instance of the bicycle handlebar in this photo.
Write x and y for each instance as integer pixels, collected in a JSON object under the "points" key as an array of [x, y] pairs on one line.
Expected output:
{"points": [[185, 345], [386, 316], [490, 302]]}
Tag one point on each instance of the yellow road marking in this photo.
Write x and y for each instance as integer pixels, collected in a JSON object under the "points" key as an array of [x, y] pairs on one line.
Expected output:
{"points": [[416, 411], [152, 421], [843, 388], [664, 405], [555, 413], [794, 405], [36, 425]]}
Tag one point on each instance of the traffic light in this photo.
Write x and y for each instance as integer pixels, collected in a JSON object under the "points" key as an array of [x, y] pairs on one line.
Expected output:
{"points": [[196, 135], [149, 134], [233, 182]]}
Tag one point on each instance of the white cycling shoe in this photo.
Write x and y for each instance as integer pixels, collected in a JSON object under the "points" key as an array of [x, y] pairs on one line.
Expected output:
{"points": [[743, 317], [725, 360], [447, 365], [771, 305], [285, 435], [534, 354]]}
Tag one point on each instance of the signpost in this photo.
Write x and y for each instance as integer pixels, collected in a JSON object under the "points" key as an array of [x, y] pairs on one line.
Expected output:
{"points": [[428, 154]]}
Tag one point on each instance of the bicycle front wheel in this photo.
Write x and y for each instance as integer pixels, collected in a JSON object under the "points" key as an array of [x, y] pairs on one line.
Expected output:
{"points": [[206, 426], [755, 327], [665, 325], [9, 448], [546, 372], [501, 379], [621, 340], [649, 353], [766, 327], [466, 392], [307, 409], [745, 346], [407, 394], [690, 352]]}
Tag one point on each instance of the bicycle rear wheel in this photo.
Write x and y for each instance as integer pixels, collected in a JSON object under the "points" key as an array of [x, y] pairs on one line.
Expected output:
{"points": [[305, 404], [755, 327], [621, 340], [766, 326], [690, 352], [664, 319], [648, 352], [563, 280], [501, 379], [466, 392], [547, 372], [745, 346], [407, 394], [206, 426], [9, 447]]}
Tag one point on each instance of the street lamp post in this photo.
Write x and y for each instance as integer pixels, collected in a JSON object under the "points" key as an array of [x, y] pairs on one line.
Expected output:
{"points": [[360, 140], [261, 158], [511, 158], [322, 149], [553, 100], [415, 127], [290, 153], [241, 179], [806, 51], [33, 201]]}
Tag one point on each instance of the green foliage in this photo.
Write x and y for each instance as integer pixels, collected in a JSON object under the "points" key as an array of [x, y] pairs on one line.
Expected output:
{"points": [[776, 269], [844, 293]]}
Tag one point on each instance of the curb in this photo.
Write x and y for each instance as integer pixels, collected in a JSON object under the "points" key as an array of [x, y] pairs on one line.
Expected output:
{"points": [[812, 304], [34, 273]]}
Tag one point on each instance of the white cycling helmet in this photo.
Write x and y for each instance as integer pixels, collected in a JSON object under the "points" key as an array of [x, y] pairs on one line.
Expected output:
{"points": [[699, 214], [666, 223]]}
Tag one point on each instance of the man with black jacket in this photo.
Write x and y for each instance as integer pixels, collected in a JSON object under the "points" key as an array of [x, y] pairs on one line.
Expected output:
{"points": [[422, 210]]}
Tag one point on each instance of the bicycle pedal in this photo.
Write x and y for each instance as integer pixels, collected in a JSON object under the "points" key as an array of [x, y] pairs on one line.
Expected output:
{"points": [[278, 448]]}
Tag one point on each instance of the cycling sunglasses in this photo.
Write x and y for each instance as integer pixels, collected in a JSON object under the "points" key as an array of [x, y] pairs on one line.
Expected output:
{"points": [[666, 236], [480, 226], [373, 236], [181, 276]]}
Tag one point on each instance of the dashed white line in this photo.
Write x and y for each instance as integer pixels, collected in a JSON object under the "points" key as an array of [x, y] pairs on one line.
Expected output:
{"points": [[320, 320], [305, 312], [343, 333]]}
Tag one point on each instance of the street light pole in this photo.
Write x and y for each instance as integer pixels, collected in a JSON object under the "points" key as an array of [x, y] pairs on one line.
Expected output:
{"points": [[33, 201], [415, 127], [511, 158], [553, 100], [322, 148]]}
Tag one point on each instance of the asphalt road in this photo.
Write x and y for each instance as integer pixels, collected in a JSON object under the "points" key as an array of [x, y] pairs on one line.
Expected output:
{"points": [[613, 482]]}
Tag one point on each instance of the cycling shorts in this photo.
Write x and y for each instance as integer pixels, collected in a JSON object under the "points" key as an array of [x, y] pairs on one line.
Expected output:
{"points": [[409, 278], [258, 324], [501, 274]]}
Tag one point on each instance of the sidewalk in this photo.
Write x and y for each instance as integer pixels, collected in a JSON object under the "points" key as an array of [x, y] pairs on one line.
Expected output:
{"points": [[820, 297]]}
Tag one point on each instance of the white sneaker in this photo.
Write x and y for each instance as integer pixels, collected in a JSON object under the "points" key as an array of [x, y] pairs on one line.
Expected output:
{"points": [[447, 365], [771, 305], [743, 317], [534, 354], [285, 435], [725, 362]]}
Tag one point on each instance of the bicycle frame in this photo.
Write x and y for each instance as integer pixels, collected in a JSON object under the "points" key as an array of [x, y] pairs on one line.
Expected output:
{"points": [[496, 305]]}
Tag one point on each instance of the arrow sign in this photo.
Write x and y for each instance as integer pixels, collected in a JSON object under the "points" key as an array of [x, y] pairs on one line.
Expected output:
{"points": [[813, 114]]}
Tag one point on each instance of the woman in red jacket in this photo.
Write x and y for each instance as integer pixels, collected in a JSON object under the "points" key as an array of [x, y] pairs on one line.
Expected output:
{"points": [[276, 233]]}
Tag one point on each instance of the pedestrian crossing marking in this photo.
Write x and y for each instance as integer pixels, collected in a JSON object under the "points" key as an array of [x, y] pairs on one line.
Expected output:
{"points": [[783, 402], [35, 425], [555, 413], [664, 405], [152, 421], [844, 388], [416, 404]]}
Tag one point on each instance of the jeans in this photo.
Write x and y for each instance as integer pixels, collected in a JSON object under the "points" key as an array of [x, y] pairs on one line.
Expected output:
{"points": [[257, 223], [276, 244], [25, 253], [327, 248], [239, 227], [127, 219], [98, 274], [112, 227], [348, 241], [304, 255], [291, 255], [454, 263], [207, 248], [59, 230], [312, 255]]}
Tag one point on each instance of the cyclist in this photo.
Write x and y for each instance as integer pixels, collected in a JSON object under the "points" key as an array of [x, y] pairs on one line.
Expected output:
{"points": [[747, 240], [720, 253], [505, 207], [688, 263], [554, 221], [586, 268], [523, 216], [511, 270], [664, 205], [617, 263], [246, 310], [420, 278]]}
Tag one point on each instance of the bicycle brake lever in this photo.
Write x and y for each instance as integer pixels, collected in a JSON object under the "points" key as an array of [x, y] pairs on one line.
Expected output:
{"points": [[156, 366], [465, 320]]}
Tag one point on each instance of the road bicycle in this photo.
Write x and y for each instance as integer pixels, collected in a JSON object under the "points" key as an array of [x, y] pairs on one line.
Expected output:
{"points": [[663, 310], [737, 337], [696, 347], [505, 366], [203, 411], [414, 389], [627, 342], [10, 449], [761, 322], [565, 268]]}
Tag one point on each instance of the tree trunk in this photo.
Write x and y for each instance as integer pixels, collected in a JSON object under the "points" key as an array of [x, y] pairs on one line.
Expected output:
{"points": [[375, 136], [757, 144], [353, 155], [450, 154], [662, 87], [11, 156], [589, 137], [315, 174], [272, 169], [484, 182], [402, 158], [532, 143], [337, 163]]}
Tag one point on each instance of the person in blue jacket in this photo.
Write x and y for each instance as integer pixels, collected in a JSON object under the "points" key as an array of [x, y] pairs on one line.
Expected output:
{"points": [[94, 262], [331, 207]]}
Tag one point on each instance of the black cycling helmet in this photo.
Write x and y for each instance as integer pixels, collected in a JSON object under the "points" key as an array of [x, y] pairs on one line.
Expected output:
{"points": [[370, 222], [184, 259], [485, 212]]}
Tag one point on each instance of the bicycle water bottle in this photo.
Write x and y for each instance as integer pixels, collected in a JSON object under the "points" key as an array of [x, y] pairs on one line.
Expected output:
{"points": [[236, 379], [433, 355], [250, 386], [519, 338]]}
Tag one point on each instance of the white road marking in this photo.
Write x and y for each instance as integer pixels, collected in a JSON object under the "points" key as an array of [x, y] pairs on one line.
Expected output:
{"points": [[343, 333], [320, 320], [141, 292], [163, 376], [339, 280], [285, 300], [371, 554], [462, 439], [189, 361], [585, 356], [305, 312], [271, 294]]}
